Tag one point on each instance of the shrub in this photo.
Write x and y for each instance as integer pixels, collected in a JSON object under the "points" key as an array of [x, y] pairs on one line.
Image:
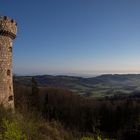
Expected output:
{"points": [[12, 131], [30, 126]]}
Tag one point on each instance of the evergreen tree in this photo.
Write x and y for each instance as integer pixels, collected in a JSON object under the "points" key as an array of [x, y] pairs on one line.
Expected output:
{"points": [[34, 97]]}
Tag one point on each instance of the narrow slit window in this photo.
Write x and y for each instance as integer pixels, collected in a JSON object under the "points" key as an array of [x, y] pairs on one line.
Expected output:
{"points": [[8, 72], [10, 49]]}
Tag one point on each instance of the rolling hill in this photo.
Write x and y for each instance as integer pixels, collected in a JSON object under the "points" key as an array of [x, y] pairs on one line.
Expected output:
{"points": [[100, 86]]}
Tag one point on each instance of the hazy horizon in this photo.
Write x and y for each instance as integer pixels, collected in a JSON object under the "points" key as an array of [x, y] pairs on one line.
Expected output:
{"points": [[85, 37], [74, 74]]}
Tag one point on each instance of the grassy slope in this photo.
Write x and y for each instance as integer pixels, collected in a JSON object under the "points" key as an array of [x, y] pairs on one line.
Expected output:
{"points": [[30, 126]]}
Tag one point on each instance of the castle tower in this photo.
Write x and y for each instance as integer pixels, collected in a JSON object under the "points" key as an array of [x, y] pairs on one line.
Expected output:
{"points": [[8, 29]]}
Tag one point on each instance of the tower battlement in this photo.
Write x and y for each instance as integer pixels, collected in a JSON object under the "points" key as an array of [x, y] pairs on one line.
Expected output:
{"points": [[8, 30], [8, 27]]}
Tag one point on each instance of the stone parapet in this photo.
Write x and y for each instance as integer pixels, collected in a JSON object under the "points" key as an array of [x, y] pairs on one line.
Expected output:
{"points": [[8, 27]]}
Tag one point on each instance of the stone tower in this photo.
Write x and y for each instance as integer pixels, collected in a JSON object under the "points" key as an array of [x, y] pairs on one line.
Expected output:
{"points": [[8, 29]]}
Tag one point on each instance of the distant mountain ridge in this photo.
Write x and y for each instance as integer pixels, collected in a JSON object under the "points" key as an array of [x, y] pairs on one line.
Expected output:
{"points": [[100, 86]]}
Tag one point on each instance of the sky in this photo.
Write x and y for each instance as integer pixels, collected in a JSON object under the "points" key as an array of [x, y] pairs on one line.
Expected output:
{"points": [[75, 37]]}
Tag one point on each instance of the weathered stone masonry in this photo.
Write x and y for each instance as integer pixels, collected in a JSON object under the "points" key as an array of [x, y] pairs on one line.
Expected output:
{"points": [[8, 30]]}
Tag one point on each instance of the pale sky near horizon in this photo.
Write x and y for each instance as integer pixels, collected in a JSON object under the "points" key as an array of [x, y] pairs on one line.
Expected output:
{"points": [[75, 36]]}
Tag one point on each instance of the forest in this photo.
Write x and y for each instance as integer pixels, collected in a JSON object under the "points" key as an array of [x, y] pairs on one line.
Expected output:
{"points": [[82, 117]]}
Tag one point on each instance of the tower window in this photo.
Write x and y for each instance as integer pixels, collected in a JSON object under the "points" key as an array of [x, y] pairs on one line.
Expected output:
{"points": [[8, 72], [10, 98], [10, 88], [10, 49]]}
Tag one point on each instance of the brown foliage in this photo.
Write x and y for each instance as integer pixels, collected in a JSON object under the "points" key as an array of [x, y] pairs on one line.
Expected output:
{"points": [[86, 115]]}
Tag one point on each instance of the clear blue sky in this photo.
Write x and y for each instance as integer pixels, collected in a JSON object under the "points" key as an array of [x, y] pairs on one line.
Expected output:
{"points": [[75, 36]]}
